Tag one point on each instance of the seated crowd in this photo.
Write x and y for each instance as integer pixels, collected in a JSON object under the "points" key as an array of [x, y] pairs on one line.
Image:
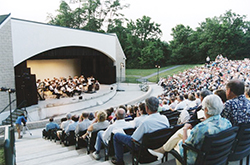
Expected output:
{"points": [[216, 97], [66, 87]]}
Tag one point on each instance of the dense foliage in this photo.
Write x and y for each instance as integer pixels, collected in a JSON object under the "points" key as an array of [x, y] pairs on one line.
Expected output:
{"points": [[228, 34]]}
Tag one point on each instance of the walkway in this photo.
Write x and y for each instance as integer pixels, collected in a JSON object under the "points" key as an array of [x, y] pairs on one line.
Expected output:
{"points": [[154, 74]]}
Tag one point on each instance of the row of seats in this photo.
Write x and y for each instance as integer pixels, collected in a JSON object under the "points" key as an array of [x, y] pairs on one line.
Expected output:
{"points": [[72, 138], [232, 144], [173, 116]]}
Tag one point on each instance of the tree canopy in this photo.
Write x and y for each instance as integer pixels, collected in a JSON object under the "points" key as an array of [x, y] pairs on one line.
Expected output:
{"points": [[227, 34]]}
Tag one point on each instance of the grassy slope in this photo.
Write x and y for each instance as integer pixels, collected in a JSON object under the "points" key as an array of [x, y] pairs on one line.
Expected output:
{"points": [[2, 159], [133, 74]]}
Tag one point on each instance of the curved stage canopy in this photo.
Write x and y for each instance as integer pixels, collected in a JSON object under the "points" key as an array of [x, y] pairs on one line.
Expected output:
{"points": [[42, 50]]}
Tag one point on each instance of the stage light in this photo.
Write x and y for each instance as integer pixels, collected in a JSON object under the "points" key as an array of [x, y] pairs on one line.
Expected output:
{"points": [[3, 89]]}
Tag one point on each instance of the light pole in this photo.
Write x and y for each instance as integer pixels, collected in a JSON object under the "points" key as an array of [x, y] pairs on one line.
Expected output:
{"points": [[120, 79], [158, 67], [121, 66]]}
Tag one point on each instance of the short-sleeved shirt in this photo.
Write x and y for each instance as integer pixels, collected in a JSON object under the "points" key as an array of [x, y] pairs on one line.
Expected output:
{"points": [[181, 105], [138, 120], [152, 123], [83, 125], [51, 125], [71, 127], [65, 124], [19, 120], [100, 125], [237, 110], [212, 125], [117, 125]]}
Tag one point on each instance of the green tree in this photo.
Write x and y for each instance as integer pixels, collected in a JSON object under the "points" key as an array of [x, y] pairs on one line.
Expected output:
{"points": [[145, 29], [143, 43], [182, 51], [93, 15], [64, 18], [227, 34]]}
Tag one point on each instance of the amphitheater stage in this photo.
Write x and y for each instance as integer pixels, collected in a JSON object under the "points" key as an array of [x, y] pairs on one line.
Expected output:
{"points": [[108, 96]]}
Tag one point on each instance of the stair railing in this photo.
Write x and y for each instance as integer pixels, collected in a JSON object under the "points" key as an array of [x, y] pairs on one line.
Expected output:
{"points": [[8, 106], [22, 104]]}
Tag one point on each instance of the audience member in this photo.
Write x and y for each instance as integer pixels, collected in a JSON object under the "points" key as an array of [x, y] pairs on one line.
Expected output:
{"points": [[72, 125], [64, 125], [247, 93], [83, 123], [104, 136], [173, 103], [165, 105], [100, 123], [51, 125], [141, 115], [153, 122], [212, 124], [203, 94], [181, 103], [237, 107], [222, 94]]}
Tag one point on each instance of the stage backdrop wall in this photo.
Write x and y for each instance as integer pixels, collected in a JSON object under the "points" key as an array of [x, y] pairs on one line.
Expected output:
{"points": [[55, 68]]}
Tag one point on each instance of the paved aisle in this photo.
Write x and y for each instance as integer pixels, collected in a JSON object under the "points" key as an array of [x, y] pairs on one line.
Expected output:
{"points": [[34, 150]]}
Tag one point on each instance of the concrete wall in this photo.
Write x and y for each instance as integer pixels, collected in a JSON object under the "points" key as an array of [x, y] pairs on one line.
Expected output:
{"points": [[32, 38], [7, 78], [120, 62]]}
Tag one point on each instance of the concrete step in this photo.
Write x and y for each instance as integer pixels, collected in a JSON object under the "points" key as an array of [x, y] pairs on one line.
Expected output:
{"points": [[34, 149]]}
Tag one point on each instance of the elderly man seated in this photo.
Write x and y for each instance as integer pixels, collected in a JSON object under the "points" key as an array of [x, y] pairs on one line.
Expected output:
{"points": [[153, 122], [213, 124]]}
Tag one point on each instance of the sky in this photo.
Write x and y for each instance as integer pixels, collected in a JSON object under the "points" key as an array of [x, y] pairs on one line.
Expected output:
{"points": [[167, 13]]}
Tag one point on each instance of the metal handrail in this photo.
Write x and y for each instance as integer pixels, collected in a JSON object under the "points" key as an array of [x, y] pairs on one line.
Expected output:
{"points": [[23, 103], [8, 106]]}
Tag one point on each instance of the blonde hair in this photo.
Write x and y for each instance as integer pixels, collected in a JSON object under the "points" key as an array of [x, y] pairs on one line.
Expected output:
{"points": [[101, 116]]}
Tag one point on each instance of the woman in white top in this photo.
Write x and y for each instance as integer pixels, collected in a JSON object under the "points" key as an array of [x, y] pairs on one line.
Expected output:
{"points": [[100, 122]]}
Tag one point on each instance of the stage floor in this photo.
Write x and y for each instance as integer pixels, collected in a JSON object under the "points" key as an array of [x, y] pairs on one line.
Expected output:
{"points": [[101, 100]]}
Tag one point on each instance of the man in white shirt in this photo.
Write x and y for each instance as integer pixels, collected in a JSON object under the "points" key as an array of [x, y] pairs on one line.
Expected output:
{"points": [[152, 123], [104, 136], [64, 125], [181, 105], [165, 105], [173, 103], [141, 115]]}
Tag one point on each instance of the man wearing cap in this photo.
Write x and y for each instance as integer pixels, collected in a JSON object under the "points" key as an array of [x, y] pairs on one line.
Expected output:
{"points": [[153, 122]]}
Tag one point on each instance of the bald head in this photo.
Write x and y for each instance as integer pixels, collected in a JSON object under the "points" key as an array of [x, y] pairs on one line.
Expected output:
{"points": [[120, 113]]}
